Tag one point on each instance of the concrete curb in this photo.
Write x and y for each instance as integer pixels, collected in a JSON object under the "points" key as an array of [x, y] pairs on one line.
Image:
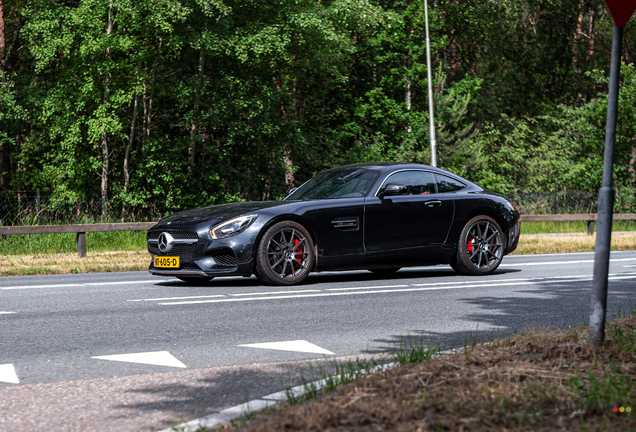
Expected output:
{"points": [[228, 415]]}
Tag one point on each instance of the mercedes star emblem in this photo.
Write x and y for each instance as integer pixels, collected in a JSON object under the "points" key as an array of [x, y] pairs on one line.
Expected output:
{"points": [[165, 242]]}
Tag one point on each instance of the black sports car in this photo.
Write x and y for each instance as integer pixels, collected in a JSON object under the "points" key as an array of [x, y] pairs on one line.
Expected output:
{"points": [[377, 216]]}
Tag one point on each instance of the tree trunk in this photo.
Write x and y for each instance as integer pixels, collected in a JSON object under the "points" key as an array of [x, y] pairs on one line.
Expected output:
{"points": [[195, 112], [2, 37], [590, 49], [409, 95], [131, 139], [104, 140], [153, 80], [576, 55]]}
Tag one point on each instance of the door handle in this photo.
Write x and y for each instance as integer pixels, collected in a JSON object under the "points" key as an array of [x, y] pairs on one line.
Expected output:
{"points": [[434, 203]]}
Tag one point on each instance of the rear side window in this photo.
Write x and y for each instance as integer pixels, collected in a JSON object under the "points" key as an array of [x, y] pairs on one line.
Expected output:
{"points": [[417, 182], [447, 184]]}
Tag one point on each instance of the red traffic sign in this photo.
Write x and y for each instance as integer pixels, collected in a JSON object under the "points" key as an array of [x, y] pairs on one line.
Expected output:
{"points": [[621, 10]]}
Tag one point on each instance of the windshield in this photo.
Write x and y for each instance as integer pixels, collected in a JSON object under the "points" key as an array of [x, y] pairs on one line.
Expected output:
{"points": [[336, 183]]}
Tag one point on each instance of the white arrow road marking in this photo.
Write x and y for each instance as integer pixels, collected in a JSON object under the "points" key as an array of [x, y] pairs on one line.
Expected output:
{"points": [[295, 345], [157, 358], [8, 375]]}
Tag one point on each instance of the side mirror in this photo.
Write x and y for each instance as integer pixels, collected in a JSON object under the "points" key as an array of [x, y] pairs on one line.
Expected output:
{"points": [[394, 189]]}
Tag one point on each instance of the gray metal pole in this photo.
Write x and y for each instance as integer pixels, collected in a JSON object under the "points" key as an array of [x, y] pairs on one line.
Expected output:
{"points": [[598, 305], [430, 90]]}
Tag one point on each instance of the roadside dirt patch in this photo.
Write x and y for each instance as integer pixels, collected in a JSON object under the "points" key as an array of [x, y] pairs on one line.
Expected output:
{"points": [[537, 380], [19, 265]]}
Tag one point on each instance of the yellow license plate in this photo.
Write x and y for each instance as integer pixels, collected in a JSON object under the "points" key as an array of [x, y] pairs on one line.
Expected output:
{"points": [[167, 262]]}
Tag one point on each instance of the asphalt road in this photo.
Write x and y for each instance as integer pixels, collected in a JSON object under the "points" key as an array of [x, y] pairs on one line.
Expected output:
{"points": [[52, 328]]}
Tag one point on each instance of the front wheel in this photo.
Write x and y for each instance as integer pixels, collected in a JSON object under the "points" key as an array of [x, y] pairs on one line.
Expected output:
{"points": [[285, 254], [480, 248]]}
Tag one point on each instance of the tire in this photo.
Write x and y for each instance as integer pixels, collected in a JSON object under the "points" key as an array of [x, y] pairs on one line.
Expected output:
{"points": [[385, 272], [195, 279], [285, 254], [480, 248]]}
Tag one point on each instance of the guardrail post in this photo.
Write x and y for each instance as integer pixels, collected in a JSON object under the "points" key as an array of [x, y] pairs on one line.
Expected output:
{"points": [[81, 244], [590, 227]]}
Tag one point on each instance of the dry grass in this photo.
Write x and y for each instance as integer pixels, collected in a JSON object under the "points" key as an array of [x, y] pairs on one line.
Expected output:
{"points": [[13, 265], [534, 244], [534, 381]]}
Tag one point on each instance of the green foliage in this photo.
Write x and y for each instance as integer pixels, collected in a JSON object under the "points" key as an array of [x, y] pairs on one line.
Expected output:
{"points": [[195, 102]]}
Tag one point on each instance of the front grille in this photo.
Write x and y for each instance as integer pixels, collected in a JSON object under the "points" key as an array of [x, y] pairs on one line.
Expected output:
{"points": [[177, 234], [189, 266], [176, 249], [225, 258]]}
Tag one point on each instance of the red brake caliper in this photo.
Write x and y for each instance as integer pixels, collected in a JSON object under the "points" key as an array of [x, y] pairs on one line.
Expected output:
{"points": [[469, 246], [299, 249]]}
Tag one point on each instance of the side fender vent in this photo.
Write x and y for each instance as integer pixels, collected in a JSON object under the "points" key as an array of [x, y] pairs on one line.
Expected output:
{"points": [[346, 223]]}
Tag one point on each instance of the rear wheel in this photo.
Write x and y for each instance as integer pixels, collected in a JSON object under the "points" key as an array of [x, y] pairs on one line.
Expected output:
{"points": [[480, 248], [285, 255], [195, 279]]}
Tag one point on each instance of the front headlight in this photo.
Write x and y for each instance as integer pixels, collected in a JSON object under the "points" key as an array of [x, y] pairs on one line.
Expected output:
{"points": [[232, 227]]}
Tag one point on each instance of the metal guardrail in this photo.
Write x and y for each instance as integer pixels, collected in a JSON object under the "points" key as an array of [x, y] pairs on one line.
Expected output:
{"points": [[590, 218], [79, 229], [82, 229]]}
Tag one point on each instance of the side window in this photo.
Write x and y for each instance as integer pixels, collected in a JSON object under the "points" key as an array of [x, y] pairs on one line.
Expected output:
{"points": [[447, 184], [416, 182]]}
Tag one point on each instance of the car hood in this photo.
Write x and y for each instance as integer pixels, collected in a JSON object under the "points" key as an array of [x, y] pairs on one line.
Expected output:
{"points": [[214, 214]]}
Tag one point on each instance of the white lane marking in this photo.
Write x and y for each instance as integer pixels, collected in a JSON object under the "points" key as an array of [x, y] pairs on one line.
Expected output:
{"points": [[294, 345], [6, 312], [40, 286], [331, 294], [369, 287], [122, 282], [176, 298], [79, 284], [8, 375], [564, 262], [428, 288], [157, 358], [273, 292]]}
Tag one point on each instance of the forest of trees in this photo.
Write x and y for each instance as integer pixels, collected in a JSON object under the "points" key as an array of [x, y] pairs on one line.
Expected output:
{"points": [[197, 102]]}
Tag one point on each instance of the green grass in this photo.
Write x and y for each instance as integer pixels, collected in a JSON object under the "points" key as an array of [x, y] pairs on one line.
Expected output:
{"points": [[570, 227], [35, 244]]}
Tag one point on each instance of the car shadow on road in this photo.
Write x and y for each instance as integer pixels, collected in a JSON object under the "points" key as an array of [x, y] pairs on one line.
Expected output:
{"points": [[338, 277], [553, 305]]}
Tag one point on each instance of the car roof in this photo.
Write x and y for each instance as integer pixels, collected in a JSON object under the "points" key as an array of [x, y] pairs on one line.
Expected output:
{"points": [[390, 166]]}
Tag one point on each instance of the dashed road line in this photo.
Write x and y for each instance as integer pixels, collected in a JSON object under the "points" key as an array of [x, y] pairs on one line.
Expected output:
{"points": [[177, 298], [563, 262], [17, 287], [333, 292]]}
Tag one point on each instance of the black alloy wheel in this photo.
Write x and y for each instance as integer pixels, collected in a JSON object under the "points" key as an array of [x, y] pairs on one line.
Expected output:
{"points": [[480, 248], [285, 254], [195, 279]]}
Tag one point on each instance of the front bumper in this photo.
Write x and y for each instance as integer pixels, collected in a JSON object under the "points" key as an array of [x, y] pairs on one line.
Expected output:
{"points": [[202, 256]]}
